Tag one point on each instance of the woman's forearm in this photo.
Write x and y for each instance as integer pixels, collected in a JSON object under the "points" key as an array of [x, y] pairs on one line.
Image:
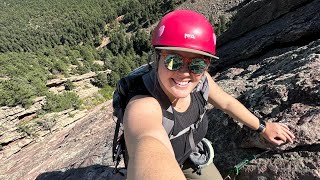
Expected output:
{"points": [[276, 133], [240, 113], [152, 160]]}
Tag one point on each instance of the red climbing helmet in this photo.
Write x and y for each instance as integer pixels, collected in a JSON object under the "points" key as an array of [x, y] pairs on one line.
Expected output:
{"points": [[185, 30]]}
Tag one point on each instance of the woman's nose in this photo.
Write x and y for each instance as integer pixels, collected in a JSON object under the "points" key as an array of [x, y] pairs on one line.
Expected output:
{"points": [[184, 68]]}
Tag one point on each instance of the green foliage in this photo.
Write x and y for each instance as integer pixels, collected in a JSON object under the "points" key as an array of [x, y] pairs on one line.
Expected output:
{"points": [[68, 85], [17, 91], [107, 92], [220, 25], [87, 53], [60, 102], [119, 43], [41, 41], [93, 101], [141, 42], [100, 80], [24, 65], [143, 13], [96, 67], [52, 23], [26, 130], [70, 22], [71, 115], [113, 78], [223, 23], [103, 95], [59, 67], [26, 75], [82, 69], [47, 124]]}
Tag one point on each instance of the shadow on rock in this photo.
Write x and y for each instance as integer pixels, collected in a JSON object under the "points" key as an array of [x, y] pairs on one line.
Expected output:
{"points": [[95, 172]]}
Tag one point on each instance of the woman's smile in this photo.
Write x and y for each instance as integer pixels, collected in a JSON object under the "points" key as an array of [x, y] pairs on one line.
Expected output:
{"points": [[180, 83]]}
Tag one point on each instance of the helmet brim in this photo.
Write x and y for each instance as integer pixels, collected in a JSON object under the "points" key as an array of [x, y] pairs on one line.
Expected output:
{"points": [[186, 50]]}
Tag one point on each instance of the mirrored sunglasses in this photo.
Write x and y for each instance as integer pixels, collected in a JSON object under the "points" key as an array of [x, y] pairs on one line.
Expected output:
{"points": [[174, 62]]}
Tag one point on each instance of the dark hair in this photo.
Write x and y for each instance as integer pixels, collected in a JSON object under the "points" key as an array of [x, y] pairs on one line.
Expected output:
{"points": [[154, 58]]}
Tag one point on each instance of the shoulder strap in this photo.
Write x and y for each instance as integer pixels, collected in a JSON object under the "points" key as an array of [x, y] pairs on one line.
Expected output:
{"points": [[203, 87], [151, 83], [125, 86]]}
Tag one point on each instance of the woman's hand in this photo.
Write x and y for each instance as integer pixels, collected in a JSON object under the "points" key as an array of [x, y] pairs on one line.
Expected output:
{"points": [[277, 133]]}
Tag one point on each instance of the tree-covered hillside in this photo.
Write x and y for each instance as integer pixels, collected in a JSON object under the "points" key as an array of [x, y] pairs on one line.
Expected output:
{"points": [[41, 40]]}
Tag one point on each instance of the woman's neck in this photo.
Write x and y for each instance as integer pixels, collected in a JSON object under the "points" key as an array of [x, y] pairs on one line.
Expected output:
{"points": [[181, 104]]}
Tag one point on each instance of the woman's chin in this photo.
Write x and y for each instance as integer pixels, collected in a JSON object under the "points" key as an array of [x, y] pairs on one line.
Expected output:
{"points": [[181, 94]]}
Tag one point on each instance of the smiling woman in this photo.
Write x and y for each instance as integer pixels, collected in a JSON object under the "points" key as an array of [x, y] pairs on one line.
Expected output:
{"points": [[165, 119], [177, 79]]}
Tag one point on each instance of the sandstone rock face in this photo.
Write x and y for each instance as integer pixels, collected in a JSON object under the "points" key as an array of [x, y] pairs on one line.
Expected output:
{"points": [[262, 26], [19, 126], [282, 88], [10, 117], [81, 150], [270, 62], [57, 82], [216, 8], [35, 146]]}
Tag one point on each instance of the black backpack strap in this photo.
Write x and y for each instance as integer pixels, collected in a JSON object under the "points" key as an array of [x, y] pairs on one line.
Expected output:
{"points": [[150, 81], [121, 96]]}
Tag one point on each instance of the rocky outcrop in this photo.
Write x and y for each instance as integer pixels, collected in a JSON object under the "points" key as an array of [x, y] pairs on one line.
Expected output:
{"points": [[18, 112], [10, 117], [213, 8], [80, 150], [16, 136], [21, 126], [270, 62], [58, 82], [283, 88], [263, 26]]}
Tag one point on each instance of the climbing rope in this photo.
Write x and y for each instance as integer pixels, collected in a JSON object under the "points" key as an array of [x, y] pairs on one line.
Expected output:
{"points": [[234, 171]]}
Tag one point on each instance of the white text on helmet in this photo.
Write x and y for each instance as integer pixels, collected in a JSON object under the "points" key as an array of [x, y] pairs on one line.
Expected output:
{"points": [[189, 36]]}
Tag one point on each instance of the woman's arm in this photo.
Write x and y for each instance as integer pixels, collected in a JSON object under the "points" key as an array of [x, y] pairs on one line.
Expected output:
{"points": [[150, 152], [276, 133]]}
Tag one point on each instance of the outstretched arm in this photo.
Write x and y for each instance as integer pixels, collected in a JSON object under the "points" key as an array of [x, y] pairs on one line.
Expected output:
{"points": [[150, 152], [276, 133]]}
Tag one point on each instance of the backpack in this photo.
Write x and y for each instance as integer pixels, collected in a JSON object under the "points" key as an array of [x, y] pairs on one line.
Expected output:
{"points": [[119, 102], [127, 85]]}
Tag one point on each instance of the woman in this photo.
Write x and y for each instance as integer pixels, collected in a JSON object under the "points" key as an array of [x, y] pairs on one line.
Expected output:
{"points": [[184, 42]]}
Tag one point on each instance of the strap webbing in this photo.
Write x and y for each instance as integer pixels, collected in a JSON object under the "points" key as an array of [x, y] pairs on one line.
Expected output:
{"points": [[191, 140]]}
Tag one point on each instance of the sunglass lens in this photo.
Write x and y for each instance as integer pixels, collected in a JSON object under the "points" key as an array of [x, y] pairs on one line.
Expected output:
{"points": [[197, 66], [173, 62]]}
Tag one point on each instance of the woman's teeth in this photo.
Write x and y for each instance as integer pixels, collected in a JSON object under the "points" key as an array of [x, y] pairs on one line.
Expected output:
{"points": [[182, 83]]}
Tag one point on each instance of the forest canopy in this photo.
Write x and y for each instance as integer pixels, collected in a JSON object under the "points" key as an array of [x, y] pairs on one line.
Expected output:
{"points": [[42, 40]]}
